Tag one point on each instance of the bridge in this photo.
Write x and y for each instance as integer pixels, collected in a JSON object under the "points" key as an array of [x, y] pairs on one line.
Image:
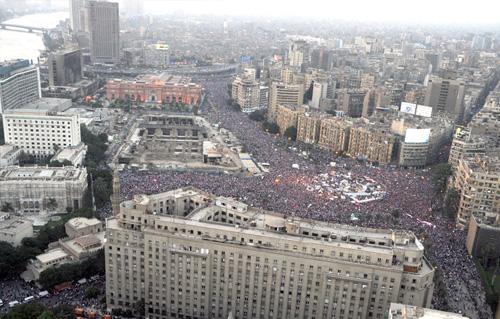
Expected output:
{"points": [[23, 28]]}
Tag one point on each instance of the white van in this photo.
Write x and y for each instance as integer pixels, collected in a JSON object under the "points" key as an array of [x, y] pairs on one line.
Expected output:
{"points": [[13, 303], [28, 299]]}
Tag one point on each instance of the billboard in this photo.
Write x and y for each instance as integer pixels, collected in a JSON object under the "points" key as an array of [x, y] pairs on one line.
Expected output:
{"points": [[161, 46], [408, 107], [414, 135], [423, 110]]}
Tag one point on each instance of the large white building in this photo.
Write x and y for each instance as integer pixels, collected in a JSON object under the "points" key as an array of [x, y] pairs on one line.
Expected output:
{"points": [[19, 84], [37, 132], [189, 254], [35, 189], [13, 229]]}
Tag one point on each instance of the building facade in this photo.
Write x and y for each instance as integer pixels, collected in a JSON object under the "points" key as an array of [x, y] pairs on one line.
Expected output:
{"points": [[65, 67], [19, 84], [334, 134], [163, 88], [465, 146], [298, 53], [478, 182], [188, 253], [13, 229], [41, 133], [102, 21], [35, 189], [288, 116], [372, 143], [245, 91], [283, 94], [308, 127], [446, 96]]}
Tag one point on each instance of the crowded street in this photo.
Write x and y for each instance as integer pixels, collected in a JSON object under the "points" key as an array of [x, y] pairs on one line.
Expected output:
{"points": [[409, 202]]}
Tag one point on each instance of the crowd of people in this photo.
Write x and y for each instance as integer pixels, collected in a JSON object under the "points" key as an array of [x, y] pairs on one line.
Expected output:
{"points": [[409, 203]]}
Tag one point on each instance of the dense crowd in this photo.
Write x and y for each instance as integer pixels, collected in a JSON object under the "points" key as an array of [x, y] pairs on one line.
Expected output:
{"points": [[410, 202]]}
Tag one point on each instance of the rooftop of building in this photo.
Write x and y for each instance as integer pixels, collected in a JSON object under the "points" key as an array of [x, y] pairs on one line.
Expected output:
{"points": [[13, 224], [82, 222], [400, 311], [8, 150], [69, 153], [227, 213], [9, 67], [484, 164], [52, 255], [42, 173], [42, 106], [159, 79]]}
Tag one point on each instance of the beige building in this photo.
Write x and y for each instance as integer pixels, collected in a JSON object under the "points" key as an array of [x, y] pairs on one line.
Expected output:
{"points": [[309, 126], [298, 53], [351, 102], [186, 253], [446, 96], [372, 142], [283, 94], [465, 146], [478, 182], [81, 226], [245, 92], [400, 311], [13, 229], [34, 189], [334, 134], [486, 123], [287, 116]]}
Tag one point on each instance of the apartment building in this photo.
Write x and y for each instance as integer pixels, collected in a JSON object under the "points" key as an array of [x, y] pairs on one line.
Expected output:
{"points": [[478, 182], [284, 94], [189, 254], [373, 143], [245, 92], [19, 84], [465, 146], [288, 116], [334, 134], [309, 126]]}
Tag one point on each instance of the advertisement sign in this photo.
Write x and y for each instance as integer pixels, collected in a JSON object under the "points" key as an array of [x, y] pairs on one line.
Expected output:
{"points": [[408, 107], [414, 135], [423, 110]]}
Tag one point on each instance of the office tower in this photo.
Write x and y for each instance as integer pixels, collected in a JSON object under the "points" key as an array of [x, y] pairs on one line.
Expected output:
{"points": [[351, 102], [284, 94], [186, 253], [65, 67], [446, 96], [103, 25], [19, 84], [76, 15], [319, 93], [298, 53], [478, 182], [40, 133], [246, 93]]}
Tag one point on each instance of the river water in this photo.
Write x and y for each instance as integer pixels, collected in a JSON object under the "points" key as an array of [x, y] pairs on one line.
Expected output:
{"points": [[15, 44]]}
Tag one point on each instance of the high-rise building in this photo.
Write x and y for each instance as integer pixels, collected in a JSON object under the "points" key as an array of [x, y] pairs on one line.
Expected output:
{"points": [[19, 84], [103, 25], [446, 96], [478, 182], [351, 102], [298, 53], [186, 253], [284, 94], [245, 92], [465, 146], [308, 127], [77, 15], [65, 67], [319, 93], [41, 133]]}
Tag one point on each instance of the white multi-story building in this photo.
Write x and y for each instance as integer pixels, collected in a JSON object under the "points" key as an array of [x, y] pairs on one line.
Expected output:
{"points": [[38, 132], [19, 84], [9, 155], [35, 189], [13, 229]]}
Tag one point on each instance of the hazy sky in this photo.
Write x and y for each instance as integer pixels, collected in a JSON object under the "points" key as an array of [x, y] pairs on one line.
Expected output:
{"points": [[413, 11]]}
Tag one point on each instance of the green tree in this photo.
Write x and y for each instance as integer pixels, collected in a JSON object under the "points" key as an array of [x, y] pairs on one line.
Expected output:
{"points": [[46, 315], [7, 207], [60, 164], [291, 133], [440, 175], [30, 310], [52, 204], [451, 203], [271, 127], [91, 292]]}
